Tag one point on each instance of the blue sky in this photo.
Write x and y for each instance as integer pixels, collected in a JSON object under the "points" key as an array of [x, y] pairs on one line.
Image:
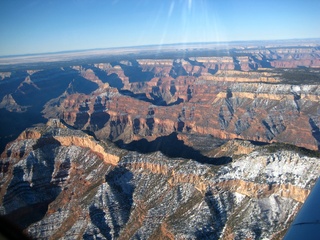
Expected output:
{"points": [[37, 26]]}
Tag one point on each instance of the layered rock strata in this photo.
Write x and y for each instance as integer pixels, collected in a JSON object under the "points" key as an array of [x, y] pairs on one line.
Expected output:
{"points": [[255, 93], [252, 111], [58, 189]]}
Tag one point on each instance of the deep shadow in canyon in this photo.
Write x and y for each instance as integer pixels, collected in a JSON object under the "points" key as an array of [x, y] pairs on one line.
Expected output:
{"points": [[43, 86], [134, 71], [113, 79], [158, 101], [13, 123], [38, 195], [172, 147], [315, 131]]}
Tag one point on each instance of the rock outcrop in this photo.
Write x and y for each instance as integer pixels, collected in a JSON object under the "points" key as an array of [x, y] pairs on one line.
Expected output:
{"points": [[199, 136], [252, 111], [11, 105], [267, 94], [56, 188]]}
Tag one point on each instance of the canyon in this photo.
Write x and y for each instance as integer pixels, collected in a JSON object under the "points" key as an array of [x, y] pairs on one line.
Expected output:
{"points": [[79, 192], [224, 146]]}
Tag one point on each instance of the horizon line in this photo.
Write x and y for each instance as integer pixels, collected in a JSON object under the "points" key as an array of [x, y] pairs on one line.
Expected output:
{"points": [[149, 45]]}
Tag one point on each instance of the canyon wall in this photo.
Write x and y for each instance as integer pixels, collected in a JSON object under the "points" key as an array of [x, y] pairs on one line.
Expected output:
{"points": [[255, 111], [203, 145], [259, 94], [74, 193]]}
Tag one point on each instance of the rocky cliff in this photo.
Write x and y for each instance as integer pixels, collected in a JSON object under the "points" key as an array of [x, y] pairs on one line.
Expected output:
{"points": [[197, 148], [263, 94], [73, 192], [256, 111]]}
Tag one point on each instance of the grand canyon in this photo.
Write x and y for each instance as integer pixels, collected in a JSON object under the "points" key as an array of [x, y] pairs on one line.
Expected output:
{"points": [[213, 142]]}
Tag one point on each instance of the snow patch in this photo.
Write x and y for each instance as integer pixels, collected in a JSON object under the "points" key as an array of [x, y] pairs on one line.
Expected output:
{"points": [[239, 197]]}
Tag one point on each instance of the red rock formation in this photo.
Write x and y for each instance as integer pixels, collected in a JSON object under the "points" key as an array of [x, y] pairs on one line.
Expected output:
{"points": [[64, 177], [237, 95], [259, 112]]}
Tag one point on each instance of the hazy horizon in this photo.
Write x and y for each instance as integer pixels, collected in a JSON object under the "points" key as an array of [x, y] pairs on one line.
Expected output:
{"points": [[36, 27], [155, 46]]}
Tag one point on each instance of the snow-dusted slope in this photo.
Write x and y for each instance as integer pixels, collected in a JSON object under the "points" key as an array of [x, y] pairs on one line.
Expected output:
{"points": [[60, 191]]}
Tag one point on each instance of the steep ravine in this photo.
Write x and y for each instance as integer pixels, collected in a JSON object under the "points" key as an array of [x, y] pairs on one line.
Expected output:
{"points": [[251, 111], [91, 189], [197, 148]]}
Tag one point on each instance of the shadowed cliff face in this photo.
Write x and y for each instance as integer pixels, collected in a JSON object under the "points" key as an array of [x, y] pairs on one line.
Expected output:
{"points": [[255, 94], [30, 204], [177, 70], [33, 90], [172, 147], [252, 111], [315, 131], [134, 72], [58, 182], [112, 79]]}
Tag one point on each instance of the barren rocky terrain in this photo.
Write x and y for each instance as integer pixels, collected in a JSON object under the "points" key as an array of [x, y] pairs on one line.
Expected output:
{"points": [[83, 188], [187, 147]]}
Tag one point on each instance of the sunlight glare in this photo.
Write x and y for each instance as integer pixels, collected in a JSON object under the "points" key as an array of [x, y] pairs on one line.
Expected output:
{"points": [[171, 9], [189, 4]]}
